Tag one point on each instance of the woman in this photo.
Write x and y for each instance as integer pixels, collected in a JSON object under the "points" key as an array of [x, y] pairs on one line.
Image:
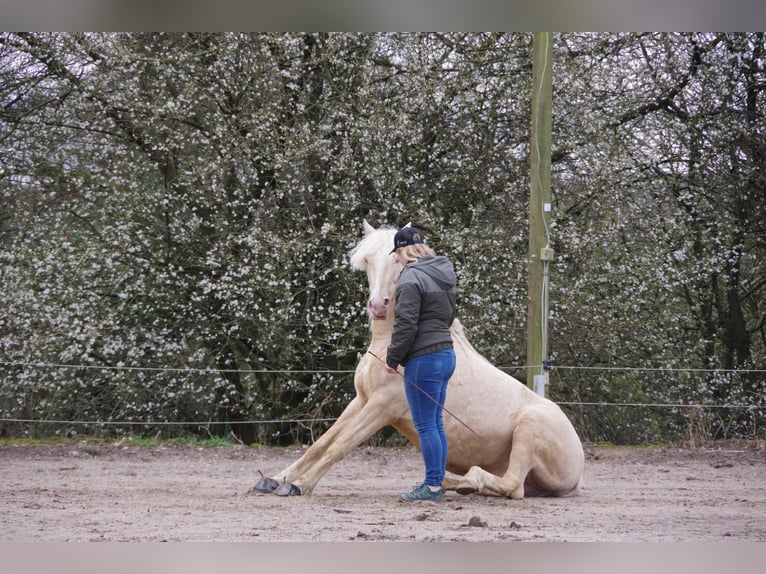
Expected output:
{"points": [[424, 310]]}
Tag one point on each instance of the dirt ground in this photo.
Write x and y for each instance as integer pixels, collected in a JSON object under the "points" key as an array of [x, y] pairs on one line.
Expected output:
{"points": [[102, 492]]}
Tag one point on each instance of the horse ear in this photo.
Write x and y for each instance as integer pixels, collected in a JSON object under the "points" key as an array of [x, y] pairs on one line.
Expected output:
{"points": [[367, 228], [409, 224]]}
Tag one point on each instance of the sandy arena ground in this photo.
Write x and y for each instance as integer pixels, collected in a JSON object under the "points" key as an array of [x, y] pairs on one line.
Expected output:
{"points": [[102, 492]]}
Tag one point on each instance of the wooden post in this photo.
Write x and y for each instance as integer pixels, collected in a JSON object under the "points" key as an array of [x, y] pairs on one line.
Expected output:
{"points": [[540, 252]]}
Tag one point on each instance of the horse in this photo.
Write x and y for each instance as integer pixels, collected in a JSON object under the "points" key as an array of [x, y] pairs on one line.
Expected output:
{"points": [[504, 439]]}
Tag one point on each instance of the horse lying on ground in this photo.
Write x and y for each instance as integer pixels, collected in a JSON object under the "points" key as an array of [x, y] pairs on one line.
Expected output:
{"points": [[504, 439]]}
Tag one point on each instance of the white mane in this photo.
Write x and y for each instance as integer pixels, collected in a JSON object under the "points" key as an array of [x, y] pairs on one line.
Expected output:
{"points": [[382, 239]]}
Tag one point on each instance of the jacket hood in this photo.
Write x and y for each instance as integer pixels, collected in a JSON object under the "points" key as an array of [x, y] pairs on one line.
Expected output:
{"points": [[438, 268]]}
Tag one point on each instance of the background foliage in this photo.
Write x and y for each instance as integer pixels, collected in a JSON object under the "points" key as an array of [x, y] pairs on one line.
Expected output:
{"points": [[176, 210]]}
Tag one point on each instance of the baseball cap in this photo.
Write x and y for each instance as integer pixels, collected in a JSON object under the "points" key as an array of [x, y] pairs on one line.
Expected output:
{"points": [[407, 236]]}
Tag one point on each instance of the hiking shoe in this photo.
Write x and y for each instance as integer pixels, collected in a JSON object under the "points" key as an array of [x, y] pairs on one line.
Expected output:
{"points": [[422, 492]]}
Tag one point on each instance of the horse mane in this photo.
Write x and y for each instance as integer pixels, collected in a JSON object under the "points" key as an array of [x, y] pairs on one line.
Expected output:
{"points": [[460, 338], [380, 239]]}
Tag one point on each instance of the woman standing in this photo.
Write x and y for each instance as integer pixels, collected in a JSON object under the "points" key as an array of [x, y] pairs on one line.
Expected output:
{"points": [[424, 310]]}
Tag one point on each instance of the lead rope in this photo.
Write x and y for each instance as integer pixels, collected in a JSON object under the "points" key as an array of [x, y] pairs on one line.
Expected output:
{"points": [[429, 396]]}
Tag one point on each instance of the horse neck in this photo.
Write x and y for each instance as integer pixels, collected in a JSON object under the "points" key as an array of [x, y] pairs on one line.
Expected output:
{"points": [[381, 333]]}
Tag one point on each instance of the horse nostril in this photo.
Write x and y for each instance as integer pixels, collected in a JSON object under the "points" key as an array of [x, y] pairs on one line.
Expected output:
{"points": [[386, 301]]}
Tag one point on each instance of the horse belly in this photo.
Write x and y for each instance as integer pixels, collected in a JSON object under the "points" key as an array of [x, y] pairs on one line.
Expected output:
{"points": [[490, 453]]}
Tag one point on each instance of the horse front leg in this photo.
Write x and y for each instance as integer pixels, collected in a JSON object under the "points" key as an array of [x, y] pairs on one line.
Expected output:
{"points": [[358, 422]]}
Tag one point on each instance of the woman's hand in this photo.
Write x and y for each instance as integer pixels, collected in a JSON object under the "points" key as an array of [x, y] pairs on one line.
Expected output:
{"points": [[392, 370]]}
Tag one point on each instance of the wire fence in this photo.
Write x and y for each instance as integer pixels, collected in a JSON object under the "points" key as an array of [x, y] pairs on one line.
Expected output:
{"points": [[199, 370], [309, 420]]}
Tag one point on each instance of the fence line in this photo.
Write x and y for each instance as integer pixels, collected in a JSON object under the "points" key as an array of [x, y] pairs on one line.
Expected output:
{"points": [[319, 420], [210, 371], [662, 405], [671, 369], [345, 372], [199, 371], [163, 423]]}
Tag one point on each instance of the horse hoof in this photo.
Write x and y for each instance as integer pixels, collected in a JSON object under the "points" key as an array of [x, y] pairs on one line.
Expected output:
{"points": [[265, 485], [288, 489], [466, 490]]}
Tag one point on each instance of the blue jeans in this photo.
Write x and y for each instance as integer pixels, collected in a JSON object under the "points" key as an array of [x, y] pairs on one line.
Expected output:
{"points": [[431, 374]]}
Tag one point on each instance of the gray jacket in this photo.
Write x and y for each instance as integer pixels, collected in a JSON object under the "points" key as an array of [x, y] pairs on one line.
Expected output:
{"points": [[425, 308]]}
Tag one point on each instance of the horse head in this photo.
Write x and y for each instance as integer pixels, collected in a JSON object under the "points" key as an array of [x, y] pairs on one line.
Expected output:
{"points": [[373, 255]]}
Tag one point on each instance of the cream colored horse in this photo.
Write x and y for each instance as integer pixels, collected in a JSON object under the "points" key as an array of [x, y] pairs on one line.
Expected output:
{"points": [[504, 440]]}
